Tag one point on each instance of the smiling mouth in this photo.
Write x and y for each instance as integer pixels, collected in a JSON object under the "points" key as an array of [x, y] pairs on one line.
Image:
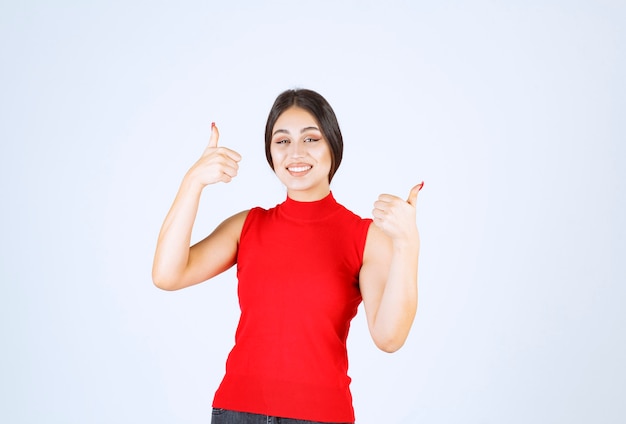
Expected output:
{"points": [[298, 169]]}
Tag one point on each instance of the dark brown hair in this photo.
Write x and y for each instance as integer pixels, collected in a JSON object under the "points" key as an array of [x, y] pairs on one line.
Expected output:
{"points": [[317, 106]]}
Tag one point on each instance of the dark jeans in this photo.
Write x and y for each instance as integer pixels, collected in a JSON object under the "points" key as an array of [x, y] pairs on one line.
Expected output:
{"points": [[224, 416]]}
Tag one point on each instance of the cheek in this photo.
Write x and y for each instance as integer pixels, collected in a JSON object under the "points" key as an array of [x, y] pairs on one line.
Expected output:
{"points": [[325, 156]]}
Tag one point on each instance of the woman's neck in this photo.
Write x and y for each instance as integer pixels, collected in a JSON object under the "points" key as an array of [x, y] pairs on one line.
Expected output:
{"points": [[308, 195]]}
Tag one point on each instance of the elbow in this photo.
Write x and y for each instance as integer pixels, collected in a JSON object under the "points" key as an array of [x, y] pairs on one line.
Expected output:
{"points": [[164, 283], [390, 337], [166, 277], [389, 344], [390, 347]]}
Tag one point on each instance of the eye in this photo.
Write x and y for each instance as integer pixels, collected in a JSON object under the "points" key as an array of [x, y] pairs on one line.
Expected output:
{"points": [[311, 139], [282, 141]]}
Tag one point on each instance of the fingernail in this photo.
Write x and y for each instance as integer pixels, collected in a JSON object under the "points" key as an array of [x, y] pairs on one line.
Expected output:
{"points": [[212, 125], [421, 186]]}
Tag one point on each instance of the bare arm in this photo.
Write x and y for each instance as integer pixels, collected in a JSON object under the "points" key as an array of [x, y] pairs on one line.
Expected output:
{"points": [[176, 264], [388, 277]]}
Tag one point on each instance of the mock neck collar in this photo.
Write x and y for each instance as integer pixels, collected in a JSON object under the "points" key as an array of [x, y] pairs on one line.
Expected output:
{"points": [[309, 211]]}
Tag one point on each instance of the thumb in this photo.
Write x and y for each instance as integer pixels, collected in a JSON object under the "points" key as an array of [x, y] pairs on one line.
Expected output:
{"points": [[412, 200], [215, 135]]}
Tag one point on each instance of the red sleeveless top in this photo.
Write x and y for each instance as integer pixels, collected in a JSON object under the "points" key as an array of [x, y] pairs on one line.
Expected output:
{"points": [[298, 266]]}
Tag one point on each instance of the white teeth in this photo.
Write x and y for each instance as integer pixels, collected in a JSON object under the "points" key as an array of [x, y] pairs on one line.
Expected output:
{"points": [[299, 168]]}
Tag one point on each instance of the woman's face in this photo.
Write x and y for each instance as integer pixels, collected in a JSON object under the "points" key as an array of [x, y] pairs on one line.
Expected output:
{"points": [[301, 155]]}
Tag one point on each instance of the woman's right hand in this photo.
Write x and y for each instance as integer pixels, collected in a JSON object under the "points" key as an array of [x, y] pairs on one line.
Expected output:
{"points": [[216, 163]]}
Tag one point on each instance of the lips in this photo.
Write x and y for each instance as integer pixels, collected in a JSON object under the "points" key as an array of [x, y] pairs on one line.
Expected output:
{"points": [[299, 168]]}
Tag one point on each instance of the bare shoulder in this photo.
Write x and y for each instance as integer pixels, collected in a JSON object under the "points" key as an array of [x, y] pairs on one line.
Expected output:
{"points": [[234, 224], [377, 245], [226, 235]]}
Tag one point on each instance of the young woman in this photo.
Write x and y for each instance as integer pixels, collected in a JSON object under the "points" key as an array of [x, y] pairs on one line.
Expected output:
{"points": [[303, 267]]}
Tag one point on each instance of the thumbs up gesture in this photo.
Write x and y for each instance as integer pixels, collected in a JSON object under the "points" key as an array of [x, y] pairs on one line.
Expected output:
{"points": [[396, 216], [216, 163]]}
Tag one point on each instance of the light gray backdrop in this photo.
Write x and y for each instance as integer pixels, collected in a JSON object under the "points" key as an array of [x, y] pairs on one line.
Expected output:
{"points": [[512, 112]]}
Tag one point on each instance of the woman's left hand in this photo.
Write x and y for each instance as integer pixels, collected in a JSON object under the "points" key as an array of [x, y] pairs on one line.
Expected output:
{"points": [[397, 217]]}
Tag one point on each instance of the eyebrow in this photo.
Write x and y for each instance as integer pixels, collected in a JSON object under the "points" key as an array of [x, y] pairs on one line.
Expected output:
{"points": [[303, 130]]}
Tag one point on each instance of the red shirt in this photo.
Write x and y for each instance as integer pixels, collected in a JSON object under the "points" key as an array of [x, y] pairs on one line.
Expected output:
{"points": [[298, 266]]}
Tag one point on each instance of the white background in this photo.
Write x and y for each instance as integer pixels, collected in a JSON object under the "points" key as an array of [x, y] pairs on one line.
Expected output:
{"points": [[512, 112]]}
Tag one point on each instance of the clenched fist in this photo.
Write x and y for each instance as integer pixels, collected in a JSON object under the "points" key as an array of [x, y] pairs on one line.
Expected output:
{"points": [[396, 216], [216, 163]]}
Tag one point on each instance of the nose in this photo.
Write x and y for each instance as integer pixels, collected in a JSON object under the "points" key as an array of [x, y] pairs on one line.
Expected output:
{"points": [[297, 149]]}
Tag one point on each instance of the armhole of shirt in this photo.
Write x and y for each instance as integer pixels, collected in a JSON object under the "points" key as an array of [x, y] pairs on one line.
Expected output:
{"points": [[252, 213], [364, 227]]}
